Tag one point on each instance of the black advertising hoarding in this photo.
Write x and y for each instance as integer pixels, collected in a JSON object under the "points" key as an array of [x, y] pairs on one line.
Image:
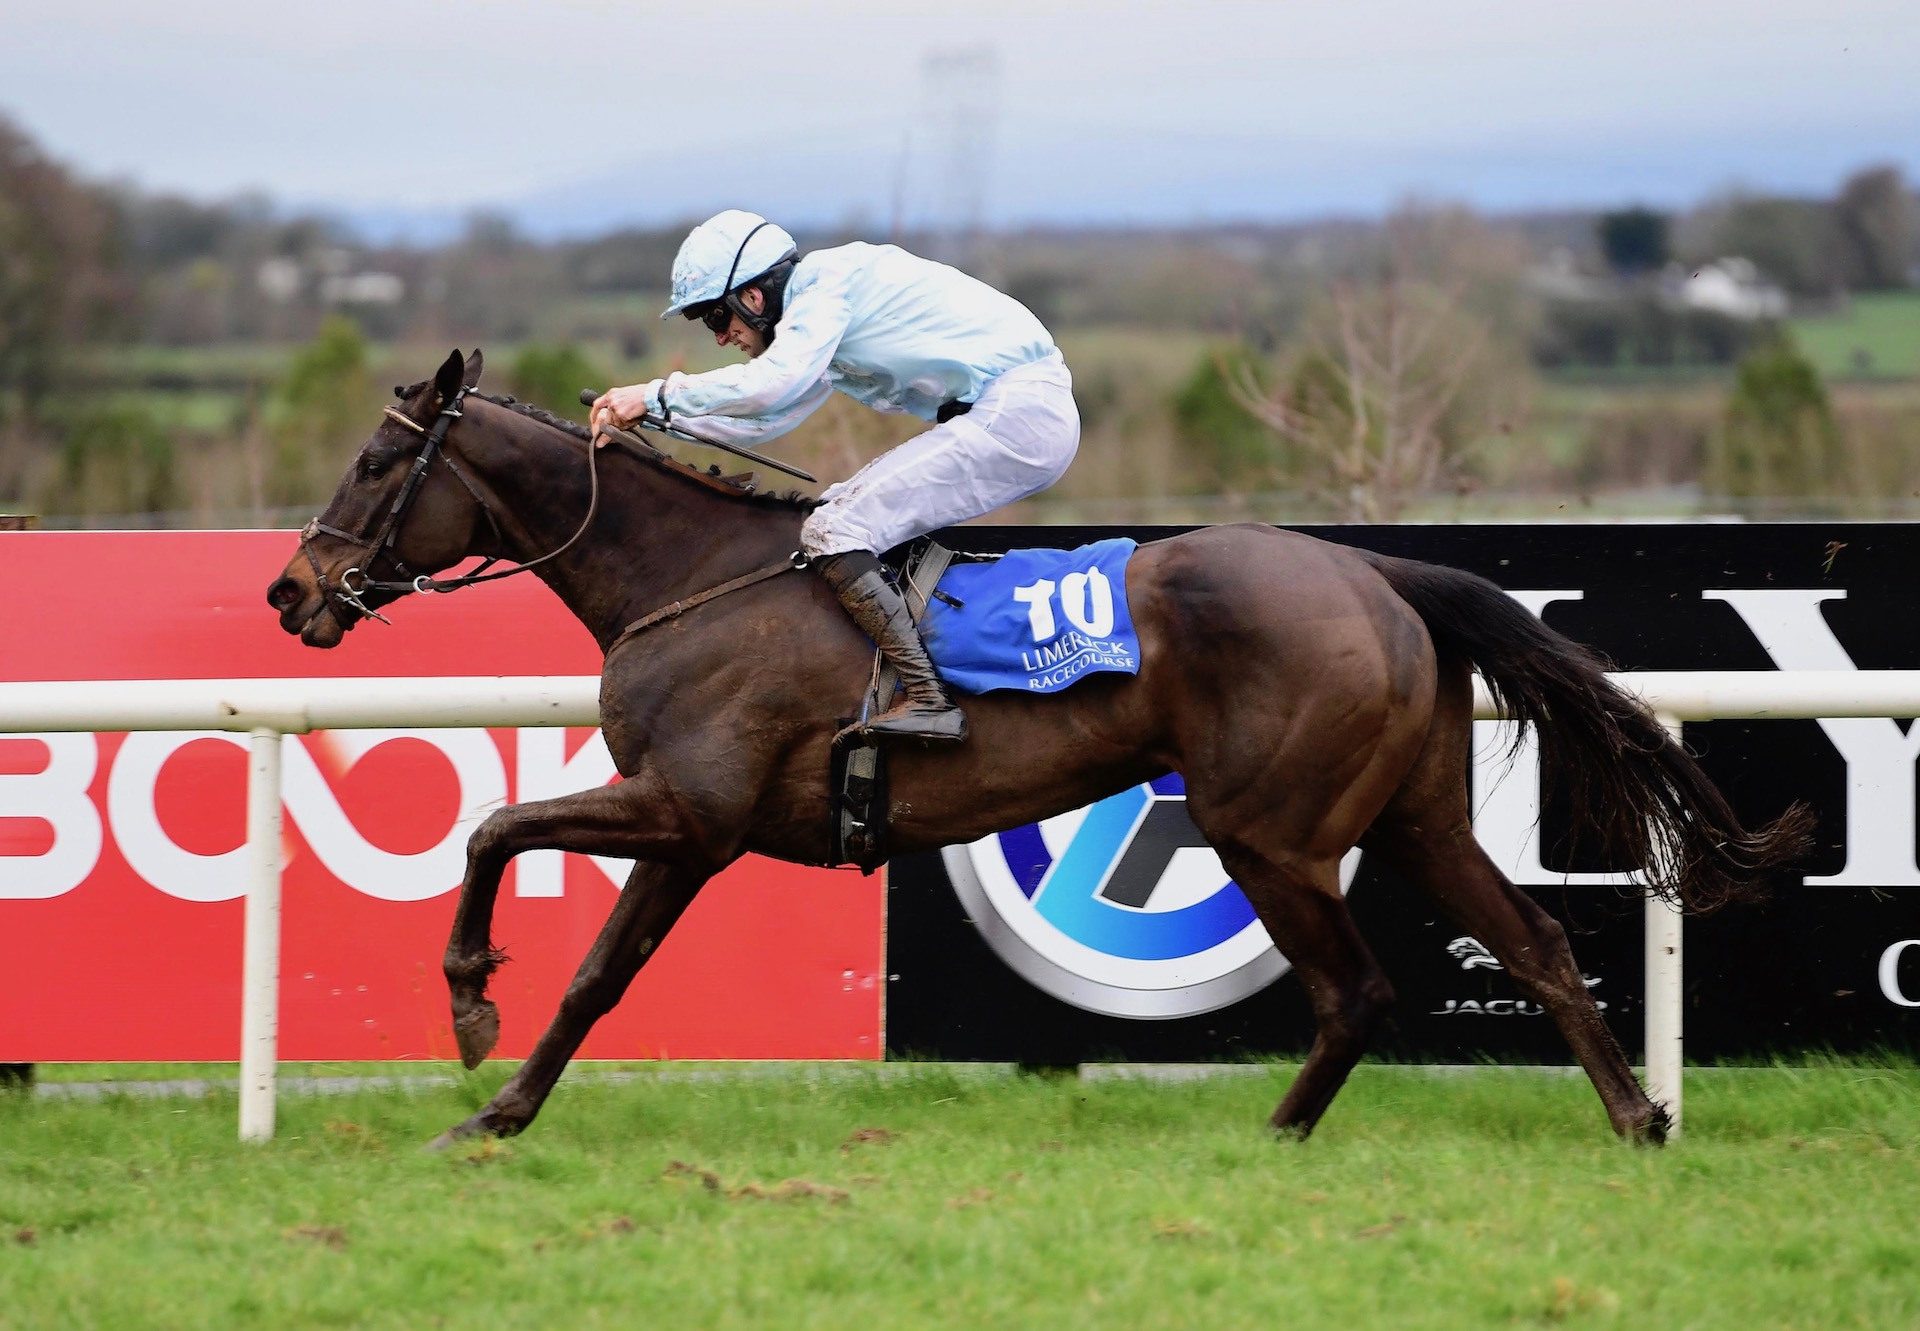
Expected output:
{"points": [[1831, 962]]}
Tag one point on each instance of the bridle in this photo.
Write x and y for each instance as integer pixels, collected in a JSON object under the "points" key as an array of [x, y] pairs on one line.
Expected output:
{"points": [[381, 542]]}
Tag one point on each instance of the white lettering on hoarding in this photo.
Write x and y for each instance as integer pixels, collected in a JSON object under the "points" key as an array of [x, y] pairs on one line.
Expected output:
{"points": [[56, 794], [149, 850], [1787, 623], [1879, 757], [1890, 973], [362, 865]]}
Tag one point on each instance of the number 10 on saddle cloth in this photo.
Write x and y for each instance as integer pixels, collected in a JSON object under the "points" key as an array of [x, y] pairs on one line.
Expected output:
{"points": [[1034, 620]]}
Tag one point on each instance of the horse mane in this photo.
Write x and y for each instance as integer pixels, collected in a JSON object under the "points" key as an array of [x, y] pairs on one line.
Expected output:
{"points": [[734, 487]]}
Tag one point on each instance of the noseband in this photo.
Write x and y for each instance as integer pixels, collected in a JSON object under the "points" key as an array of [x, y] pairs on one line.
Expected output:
{"points": [[381, 542]]}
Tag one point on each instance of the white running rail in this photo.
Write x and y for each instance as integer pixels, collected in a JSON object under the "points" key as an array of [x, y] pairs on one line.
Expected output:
{"points": [[269, 709]]}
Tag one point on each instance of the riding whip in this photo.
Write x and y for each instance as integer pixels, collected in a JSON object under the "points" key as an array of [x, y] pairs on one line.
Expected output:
{"points": [[589, 396]]}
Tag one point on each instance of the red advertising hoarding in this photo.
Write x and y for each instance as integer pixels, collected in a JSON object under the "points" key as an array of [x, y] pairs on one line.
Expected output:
{"points": [[121, 870]]}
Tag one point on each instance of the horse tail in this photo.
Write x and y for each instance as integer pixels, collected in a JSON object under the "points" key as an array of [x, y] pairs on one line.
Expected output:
{"points": [[1624, 777]]}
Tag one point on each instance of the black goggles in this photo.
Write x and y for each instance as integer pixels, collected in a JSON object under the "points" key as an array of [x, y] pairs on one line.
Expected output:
{"points": [[715, 315]]}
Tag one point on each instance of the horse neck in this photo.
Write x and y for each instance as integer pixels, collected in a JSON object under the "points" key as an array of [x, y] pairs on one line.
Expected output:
{"points": [[657, 536]]}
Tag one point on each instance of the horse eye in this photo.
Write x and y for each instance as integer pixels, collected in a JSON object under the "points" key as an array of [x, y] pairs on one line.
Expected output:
{"points": [[371, 467]]}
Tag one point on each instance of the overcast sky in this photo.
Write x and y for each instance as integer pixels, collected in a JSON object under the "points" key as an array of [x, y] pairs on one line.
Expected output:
{"points": [[577, 115]]}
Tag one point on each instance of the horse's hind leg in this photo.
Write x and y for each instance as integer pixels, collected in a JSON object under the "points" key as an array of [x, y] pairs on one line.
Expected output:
{"points": [[1532, 945], [1307, 918], [1425, 833]]}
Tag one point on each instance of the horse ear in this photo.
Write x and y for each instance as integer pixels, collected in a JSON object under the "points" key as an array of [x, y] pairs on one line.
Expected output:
{"points": [[474, 364], [449, 378]]}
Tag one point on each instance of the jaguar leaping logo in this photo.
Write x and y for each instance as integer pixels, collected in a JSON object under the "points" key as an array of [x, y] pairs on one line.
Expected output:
{"points": [[1471, 953]]}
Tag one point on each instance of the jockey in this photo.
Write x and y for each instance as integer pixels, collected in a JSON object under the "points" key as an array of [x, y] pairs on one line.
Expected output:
{"points": [[900, 334]]}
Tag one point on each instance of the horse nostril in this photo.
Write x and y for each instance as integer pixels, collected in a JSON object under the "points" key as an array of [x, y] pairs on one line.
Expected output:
{"points": [[284, 594]]}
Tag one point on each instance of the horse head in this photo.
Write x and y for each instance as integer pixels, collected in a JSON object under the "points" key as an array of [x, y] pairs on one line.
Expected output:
{"points": [[403, 511]]}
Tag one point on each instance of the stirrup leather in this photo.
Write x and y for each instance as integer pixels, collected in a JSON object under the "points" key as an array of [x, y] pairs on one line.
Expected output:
{"points": [[926, 713]]}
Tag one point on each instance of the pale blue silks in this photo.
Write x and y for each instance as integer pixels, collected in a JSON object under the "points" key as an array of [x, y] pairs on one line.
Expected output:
{"points": [[889, 329]]}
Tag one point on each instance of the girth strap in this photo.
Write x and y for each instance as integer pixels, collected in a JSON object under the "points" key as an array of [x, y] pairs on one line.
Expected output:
{"points": [[792, 563]]}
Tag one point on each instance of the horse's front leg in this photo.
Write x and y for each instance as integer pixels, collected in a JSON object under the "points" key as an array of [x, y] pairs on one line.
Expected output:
{"points": [[654, 897], [622, 819]]}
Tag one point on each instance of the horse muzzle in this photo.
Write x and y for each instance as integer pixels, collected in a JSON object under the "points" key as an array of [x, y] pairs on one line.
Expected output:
{"points": [[306, 611]]}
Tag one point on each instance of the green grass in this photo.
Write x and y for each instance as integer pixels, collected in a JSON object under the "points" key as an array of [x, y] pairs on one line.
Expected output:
{"points": [[1875, 337], [959, 1197], [202, 411]]}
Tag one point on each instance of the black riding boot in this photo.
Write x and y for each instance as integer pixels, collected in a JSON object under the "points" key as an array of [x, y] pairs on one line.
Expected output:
{"points": [[926, 713]]}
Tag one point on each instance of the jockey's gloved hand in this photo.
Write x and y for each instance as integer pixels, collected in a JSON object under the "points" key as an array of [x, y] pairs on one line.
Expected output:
{"points": [[620, 407]]}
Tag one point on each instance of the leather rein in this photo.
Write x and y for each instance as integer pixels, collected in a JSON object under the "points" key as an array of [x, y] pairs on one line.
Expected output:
{"points": [[381, 542]]}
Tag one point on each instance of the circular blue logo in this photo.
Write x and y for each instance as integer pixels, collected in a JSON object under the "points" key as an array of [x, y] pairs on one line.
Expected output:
{"points": [[1120, 908]]}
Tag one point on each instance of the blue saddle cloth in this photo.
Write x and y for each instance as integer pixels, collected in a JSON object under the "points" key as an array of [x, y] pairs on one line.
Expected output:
{"points": [[1034, 620]]}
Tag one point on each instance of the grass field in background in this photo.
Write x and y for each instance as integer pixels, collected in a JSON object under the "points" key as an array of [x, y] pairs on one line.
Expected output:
{"points": [[891, 1197], [1873, 337], [1590, 444]]}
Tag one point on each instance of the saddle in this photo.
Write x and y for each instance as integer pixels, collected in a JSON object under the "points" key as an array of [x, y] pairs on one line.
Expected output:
{"points": [[859, 772]]}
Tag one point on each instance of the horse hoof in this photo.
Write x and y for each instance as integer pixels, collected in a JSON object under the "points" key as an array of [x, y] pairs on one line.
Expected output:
{"points": [[1288, 1130], [477, 1126], [453, 1136], [1653, 1130], [477, 1031]]}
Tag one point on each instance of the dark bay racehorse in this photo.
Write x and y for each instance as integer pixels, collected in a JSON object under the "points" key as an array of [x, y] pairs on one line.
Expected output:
{"points": [[1314, 697]]}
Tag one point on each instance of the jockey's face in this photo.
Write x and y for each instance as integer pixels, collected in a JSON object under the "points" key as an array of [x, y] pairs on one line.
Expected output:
{"points": [[738, 334]]}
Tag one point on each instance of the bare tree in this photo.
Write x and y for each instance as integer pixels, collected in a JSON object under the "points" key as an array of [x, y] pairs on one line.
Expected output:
{"points": [[1364, 405], [1399, 375]]}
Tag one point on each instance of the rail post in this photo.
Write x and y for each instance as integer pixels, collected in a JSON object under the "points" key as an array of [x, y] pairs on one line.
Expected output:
{"points": [[260, 965], [1664, 990]]}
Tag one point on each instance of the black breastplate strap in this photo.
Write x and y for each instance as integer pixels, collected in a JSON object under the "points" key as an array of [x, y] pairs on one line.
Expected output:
{"points": [[790, 564]]}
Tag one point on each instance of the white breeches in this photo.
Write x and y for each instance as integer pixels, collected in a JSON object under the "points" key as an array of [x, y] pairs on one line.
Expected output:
{"points": [[1017, 440]]}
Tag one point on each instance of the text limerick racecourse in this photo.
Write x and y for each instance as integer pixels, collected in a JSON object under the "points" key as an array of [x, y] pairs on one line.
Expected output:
{"points": [[1053, 665]]}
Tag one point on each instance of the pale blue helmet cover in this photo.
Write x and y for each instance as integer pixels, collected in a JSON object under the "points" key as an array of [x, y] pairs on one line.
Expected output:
{"points": [[713, 249]]}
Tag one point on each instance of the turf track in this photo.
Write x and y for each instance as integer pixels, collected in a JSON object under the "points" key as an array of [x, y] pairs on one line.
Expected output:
{"points": [[970, 1197]]}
